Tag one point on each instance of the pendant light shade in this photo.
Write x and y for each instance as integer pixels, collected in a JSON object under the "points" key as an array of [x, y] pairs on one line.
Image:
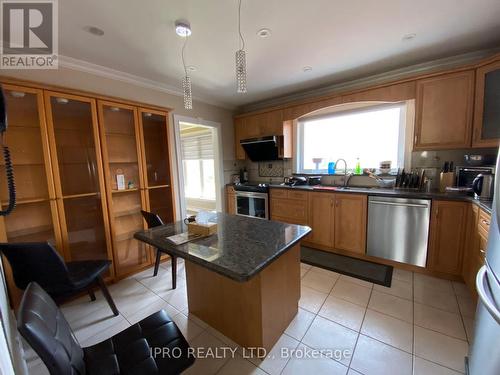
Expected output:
{"points": [[188, 96], [241, 59]]}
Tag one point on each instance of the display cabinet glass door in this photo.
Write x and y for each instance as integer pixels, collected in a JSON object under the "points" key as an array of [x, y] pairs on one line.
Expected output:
{"points": [[158, 184], [124, 182], [78, 176]]}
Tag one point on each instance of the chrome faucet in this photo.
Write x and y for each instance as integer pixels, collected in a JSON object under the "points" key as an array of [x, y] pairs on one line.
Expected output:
{"points": [[347, 177]]}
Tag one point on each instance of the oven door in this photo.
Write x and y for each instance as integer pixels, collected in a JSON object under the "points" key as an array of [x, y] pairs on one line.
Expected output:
{"points": [[252, 204]]}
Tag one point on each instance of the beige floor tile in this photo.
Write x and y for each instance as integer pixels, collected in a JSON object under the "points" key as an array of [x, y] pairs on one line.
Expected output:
{"points": [[321, 365], [131, 296], [151, 309], [402, 275], [105, 334], [303, 272], [372, 357], [325, 334], [206, 365], [177, 298], [351, 292], [439, 320], [275, 361], [239, 365], [461, 289], [391, 305], [305, 266], [436, 347], [311, 299], [424, 367], [355, 280], [319, 281], [389, 330], [189, 328], [466, 305], [435, 283], [343, 312], [398, 288], [353, 372], [469, 328], [162, 283], [324, 271], [300, 324], [435, 298]]}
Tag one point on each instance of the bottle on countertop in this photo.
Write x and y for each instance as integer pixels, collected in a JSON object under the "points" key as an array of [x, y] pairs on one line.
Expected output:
{"points": [[242, 180], [357, 170], [245, 175]]}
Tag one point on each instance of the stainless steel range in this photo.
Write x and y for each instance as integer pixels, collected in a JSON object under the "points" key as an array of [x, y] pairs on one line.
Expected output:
{"points": [[252, 200]]}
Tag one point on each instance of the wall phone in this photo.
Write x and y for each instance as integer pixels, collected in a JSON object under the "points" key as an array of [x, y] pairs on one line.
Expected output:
{"points": [[9, 169]]}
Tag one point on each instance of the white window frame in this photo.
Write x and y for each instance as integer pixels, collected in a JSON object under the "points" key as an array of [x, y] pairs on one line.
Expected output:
{"points": [[299, 134]]}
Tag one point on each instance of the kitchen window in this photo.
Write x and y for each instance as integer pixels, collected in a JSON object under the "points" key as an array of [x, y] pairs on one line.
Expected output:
{"points": [[372, 134]]}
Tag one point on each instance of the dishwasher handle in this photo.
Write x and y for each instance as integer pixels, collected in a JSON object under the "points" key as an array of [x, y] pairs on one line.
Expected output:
{"points": [[384, 203]]}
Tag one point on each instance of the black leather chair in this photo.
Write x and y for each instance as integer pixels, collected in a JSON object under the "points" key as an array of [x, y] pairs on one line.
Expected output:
{"points": [[153, 220], [40, 262], [153, 346]]}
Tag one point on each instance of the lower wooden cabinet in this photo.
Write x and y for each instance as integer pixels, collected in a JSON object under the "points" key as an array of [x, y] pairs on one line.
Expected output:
{"points": [[350, 222], [321, 219], [289, 206], [230, 200], [447, 236]]}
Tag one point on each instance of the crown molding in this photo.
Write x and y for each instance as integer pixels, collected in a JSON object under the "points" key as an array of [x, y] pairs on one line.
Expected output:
{"points": [[371, 80], [118, 75]]}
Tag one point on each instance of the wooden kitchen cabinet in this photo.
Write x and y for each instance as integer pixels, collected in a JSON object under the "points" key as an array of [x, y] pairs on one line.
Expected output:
{"points": [[350, 222], [444, 111], [239, 134], [230, 200], [321, 219], [447, 236], [290, 206], [486, 107]]}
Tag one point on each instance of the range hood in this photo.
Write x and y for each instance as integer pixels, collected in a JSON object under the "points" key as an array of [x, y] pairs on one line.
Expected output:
{"points": [[263, 149]]}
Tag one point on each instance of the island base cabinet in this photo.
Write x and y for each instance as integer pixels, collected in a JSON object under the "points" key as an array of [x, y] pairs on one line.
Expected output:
{"points": [[254, 313]]}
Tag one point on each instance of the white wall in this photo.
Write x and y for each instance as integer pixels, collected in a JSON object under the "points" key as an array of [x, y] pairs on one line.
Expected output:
{"points": [[93, 83]]}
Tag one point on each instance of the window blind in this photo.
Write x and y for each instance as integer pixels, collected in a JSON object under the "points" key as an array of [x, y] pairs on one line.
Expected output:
{"points": [[197, 146]]}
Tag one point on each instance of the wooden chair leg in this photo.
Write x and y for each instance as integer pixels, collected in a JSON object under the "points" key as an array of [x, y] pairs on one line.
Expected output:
{"points": [[91, 294], [106, 294], [173, 259], [157, 263]]}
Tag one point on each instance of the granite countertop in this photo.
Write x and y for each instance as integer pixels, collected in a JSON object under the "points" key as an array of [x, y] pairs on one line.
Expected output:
{"points": [[397, 193], [241, 248]]}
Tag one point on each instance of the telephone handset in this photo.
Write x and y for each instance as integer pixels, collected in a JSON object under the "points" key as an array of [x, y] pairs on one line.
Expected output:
{"points": [[9, 169]]}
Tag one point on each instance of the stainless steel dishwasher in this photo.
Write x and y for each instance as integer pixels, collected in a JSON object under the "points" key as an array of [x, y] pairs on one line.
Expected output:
{"points": [[398, 229]]}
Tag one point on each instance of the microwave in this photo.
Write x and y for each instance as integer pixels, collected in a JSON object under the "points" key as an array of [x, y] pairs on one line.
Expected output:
{"points": [[465, 175]]}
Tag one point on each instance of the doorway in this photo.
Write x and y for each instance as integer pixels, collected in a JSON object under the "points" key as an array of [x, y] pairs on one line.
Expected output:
{"points": [[199, 163]]}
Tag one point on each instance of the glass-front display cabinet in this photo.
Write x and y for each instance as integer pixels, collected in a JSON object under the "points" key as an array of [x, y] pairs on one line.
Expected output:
{"points": [[123, 170], [78, 176]]}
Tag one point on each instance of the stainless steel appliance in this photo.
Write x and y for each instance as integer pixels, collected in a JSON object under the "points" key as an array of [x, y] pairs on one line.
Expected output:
{"points": [[484, 353], [466, 175], [264, 148], [252, 200], [483, 186], [398, 229]]}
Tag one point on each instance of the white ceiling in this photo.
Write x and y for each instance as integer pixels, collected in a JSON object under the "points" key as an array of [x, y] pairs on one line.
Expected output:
{"points": [[339, 39]]}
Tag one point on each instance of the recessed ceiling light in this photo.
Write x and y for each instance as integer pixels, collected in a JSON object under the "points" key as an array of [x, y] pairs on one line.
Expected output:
{"points": [[192, 68], [307, 69], [94, 30], [408, 37], [264, 33], [182, 28]]}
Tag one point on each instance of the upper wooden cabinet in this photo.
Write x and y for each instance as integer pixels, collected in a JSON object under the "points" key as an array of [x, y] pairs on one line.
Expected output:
{"points": [[487, 106], [350, 222], [259, 125], [447, 236], [444, 111]]}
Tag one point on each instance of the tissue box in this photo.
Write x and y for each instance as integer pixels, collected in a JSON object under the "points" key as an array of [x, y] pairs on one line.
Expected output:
{"points": [[202, 229]]}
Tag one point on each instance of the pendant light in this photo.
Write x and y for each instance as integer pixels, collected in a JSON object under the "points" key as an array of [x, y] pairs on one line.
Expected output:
{"points": [[183, 29], [241, 60]]}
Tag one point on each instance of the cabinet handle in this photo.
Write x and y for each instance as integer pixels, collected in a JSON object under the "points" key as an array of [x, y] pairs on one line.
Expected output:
{"points": [[336, 202], [482, 251], [485, 222], [437, 213], [415, 139]]}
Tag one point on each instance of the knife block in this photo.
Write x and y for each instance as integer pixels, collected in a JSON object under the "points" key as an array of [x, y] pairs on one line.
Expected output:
{"points": [[446, 180]]}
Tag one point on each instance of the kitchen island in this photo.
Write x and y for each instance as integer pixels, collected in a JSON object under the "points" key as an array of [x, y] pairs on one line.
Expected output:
{"points": [[244, 280]]}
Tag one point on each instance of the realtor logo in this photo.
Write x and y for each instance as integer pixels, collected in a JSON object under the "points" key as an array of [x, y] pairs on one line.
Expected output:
{"points": [[29, 34]]}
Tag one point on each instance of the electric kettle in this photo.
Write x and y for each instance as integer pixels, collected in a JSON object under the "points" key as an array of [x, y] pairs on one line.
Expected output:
{"points": [[483, 186]]}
